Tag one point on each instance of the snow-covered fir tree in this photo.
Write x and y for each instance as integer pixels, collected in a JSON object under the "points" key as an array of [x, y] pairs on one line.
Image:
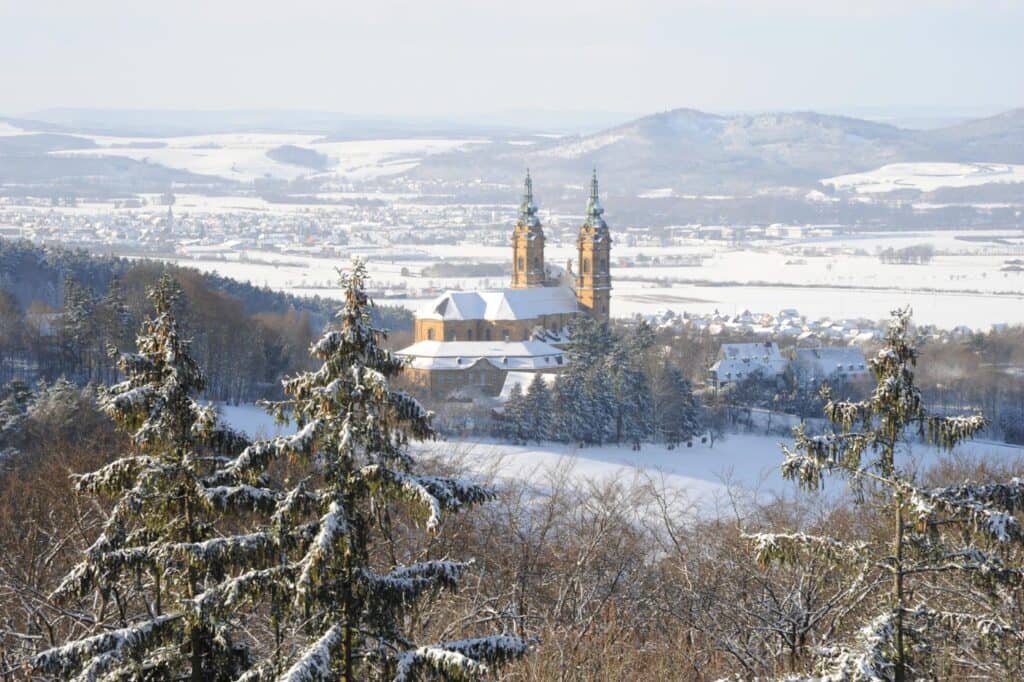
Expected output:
{"points": [[512, 420], [632, 390], [339, 583], [676, 411], [950, 545], [569, 422], [537, 405], [161, 548], [15, 399]]}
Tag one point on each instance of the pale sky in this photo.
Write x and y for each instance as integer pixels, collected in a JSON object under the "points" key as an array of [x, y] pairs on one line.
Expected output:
{"points": [[441, 57]]}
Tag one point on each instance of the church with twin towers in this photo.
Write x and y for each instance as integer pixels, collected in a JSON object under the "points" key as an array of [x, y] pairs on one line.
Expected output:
{"points": [[479, 341]]}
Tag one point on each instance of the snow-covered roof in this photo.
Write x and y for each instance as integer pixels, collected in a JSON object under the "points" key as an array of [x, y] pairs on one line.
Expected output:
{"points": [[501, 304], [510, 355], [830, 360], [739, 360], [523, 381]]}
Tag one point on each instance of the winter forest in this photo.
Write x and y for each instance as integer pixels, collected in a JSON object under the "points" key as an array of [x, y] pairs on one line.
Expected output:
{"points": [[142, 538]]}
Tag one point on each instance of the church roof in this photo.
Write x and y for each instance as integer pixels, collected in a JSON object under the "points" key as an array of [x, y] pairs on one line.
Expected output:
{"points": [[501, 304], [509, 355]]}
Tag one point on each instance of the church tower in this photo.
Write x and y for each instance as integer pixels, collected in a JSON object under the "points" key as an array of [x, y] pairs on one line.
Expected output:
{"points": [[528, 243], [593, 277]]}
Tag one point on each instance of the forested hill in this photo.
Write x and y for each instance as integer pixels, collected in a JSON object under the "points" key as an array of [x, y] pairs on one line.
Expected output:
{"points": [[60, 310], [36, 274]]}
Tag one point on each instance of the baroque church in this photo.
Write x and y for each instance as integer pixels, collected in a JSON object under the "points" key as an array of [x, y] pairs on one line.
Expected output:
{"points": [[476, 338]]}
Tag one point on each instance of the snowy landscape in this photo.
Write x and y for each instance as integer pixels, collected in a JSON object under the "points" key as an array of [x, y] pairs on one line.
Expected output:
{"points": [[533, 341]]}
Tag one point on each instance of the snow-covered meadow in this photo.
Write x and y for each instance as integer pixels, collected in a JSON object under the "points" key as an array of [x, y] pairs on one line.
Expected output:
{"points": [[243, 156], [926, 177], [708, 478], [963, 285]]}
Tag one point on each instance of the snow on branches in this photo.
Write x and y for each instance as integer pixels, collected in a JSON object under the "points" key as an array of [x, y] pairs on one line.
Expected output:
{"points": [[459, 660], [94, 656], [932, 528]]}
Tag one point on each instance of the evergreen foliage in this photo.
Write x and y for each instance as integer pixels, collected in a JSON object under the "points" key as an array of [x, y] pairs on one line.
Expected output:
{"points": [[676, 411], [614, 389], [159, 551], [944, 541], [333, 581]]}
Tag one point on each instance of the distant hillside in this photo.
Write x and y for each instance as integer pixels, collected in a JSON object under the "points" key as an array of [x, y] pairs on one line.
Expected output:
{"points": [[996, 139], [684, 151], [693, 151]]}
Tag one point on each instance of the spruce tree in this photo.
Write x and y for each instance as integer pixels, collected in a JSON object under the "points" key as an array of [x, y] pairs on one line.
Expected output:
{"points": [[512, 422], [569, 422], [160, 549], [676, 412], [347, 597], [538, 410], [947, 545]]}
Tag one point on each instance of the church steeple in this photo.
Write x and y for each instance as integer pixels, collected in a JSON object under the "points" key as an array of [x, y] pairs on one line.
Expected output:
{"points": [[593, 277], [528, 243], [595, 212], [528, 209]]}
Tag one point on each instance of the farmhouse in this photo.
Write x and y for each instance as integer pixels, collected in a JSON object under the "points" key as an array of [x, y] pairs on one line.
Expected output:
{"points": [[738, 361]]}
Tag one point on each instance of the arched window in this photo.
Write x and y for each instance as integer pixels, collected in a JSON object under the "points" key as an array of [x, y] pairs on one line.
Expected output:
{"points": [[430, 335], [469, 335], [487, 334], [505, 335], [586, 266], [536, 262], [522, 263]]}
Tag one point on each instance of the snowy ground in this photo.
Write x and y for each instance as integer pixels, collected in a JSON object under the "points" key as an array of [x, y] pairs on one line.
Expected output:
{"points": [[963, 285], [926, 177], [243, 156], [707, 477]]}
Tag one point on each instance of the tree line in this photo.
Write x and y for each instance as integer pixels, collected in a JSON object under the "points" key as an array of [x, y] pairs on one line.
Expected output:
{"points": [[62, 311], [617, 388]]}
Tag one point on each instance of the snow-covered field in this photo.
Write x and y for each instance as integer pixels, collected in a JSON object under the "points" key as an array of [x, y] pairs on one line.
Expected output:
{"points": [[243, 156], [926, 177], [743, 464], [963, 285]]}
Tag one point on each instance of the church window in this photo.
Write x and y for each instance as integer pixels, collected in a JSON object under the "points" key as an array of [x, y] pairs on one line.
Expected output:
{"points": [[430, 334]]}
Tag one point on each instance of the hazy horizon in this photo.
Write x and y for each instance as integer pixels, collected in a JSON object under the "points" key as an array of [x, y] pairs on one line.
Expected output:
{"points": [[461, 59]]}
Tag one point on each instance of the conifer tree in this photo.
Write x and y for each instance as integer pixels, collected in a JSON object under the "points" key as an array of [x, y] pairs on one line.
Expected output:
{"points": [[513, 416], [569, 424], [632, 390], [675, 408], [348, 598], [78, 327], [160, 549], [538, 410], [947, 545]]}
